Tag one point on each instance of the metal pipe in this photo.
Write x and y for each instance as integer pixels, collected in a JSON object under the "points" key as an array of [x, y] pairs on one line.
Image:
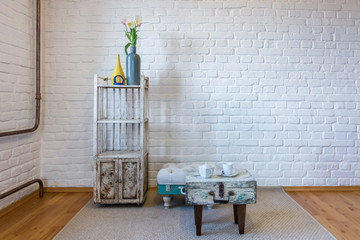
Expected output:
{"points": [[37, 93], [41, 188]]}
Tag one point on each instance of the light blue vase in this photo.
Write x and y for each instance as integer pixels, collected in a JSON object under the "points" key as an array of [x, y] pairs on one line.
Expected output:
{"points": [[133, 67]]}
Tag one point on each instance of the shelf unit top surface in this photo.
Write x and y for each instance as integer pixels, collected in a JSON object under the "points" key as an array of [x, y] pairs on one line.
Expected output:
{"points": [[119, 154], [118, 86], [121, 120]]}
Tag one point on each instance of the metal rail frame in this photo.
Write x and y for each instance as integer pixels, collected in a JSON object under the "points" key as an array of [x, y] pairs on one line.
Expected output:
{"points": [[41, 188], [37, 94], [37, 117]]}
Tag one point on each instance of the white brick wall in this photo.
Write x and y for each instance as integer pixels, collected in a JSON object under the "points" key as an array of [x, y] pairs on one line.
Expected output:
{"points": [[19, 155], [273, 85]]}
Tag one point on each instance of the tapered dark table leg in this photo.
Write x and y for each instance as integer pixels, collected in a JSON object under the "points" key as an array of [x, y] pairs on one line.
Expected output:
{"points": [[235, 214], [240, 218], [198, 218]]}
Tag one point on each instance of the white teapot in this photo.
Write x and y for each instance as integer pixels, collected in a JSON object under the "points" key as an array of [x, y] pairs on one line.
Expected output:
{"points": [[206, 170]]}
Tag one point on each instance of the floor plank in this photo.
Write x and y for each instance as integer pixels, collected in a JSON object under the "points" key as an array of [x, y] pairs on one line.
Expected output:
{"points": [[42, 218], [337, 211]]}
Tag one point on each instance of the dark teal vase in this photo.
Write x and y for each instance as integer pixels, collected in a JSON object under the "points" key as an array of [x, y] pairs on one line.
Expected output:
{"points": [[133, 67]]}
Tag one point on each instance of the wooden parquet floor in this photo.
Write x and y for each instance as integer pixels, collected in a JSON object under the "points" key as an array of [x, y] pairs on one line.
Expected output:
{"points": [[338, 212], [41, 218]]}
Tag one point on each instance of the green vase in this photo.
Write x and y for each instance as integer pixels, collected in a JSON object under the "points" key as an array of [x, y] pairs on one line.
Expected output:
{"points": [[133, 67]]}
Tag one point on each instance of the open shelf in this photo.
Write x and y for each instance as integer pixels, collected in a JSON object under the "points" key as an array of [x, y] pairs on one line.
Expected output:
{"points": [[121, 120], [119, 154]]}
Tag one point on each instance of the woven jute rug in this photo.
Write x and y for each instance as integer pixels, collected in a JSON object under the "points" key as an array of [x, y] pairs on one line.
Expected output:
{"points": [[274, 216]]}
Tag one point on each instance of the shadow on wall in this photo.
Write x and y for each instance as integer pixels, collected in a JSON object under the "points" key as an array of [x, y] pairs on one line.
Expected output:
{"points": [[179, 127], [171, 114]]}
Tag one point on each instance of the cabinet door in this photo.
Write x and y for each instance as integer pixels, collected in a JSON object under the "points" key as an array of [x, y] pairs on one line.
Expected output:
{"points": [[129, 175], [107, 184]]}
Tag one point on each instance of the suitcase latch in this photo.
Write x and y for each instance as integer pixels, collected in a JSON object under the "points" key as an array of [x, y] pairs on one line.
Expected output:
{"points": [[221, 190], [221, 194]]}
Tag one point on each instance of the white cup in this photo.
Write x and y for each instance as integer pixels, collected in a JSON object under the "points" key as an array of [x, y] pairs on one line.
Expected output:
{"points": [[206, 171], [228, 168]]}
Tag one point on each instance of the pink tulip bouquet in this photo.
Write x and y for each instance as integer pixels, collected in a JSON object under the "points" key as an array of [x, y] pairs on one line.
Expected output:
{"points": [[131, 29]]}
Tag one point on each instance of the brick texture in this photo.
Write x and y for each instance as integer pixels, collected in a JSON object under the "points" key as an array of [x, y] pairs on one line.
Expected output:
{"points": [[19, 155], [272, 85]]}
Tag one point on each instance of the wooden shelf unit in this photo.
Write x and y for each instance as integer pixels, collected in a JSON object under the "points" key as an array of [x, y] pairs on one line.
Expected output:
{"points": [[121, 122]]}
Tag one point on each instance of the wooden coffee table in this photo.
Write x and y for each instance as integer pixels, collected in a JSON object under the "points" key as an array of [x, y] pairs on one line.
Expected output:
{"points": [[238, 190]]}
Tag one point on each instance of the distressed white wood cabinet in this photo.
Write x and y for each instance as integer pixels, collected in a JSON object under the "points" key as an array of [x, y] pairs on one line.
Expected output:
{"points": [[121, 121]]}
